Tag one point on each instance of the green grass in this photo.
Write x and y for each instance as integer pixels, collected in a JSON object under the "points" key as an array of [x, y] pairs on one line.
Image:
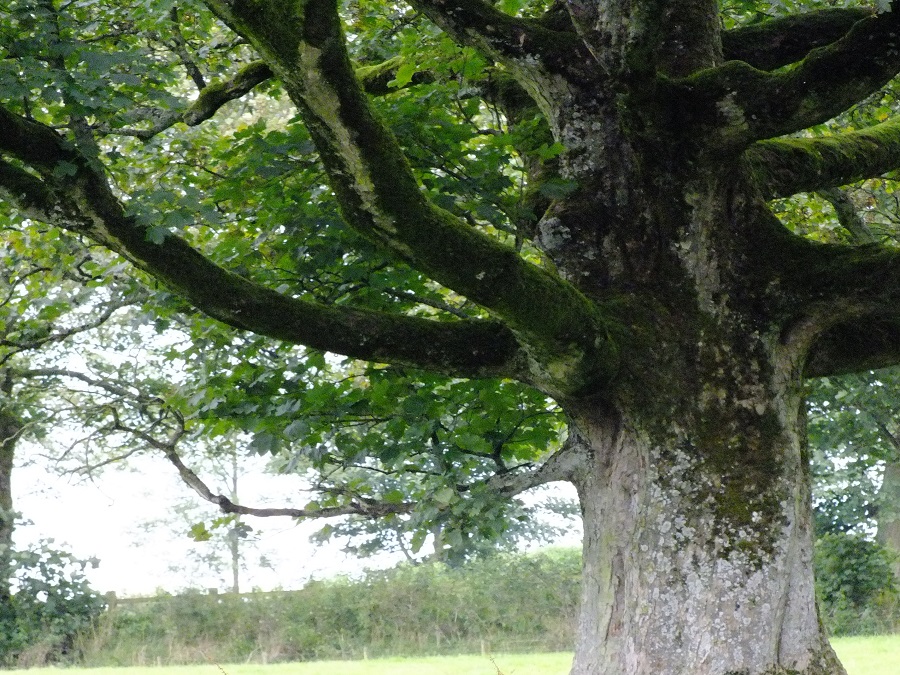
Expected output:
{"points": [[869, 655], [508, 664], [860, 655]]}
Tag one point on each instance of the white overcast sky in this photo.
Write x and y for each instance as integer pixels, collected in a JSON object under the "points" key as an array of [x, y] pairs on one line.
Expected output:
{"points": [[102, 519]]}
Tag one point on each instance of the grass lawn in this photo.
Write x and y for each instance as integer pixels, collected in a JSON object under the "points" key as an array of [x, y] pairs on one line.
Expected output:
{"points": [[869, 655], [860, 655]]}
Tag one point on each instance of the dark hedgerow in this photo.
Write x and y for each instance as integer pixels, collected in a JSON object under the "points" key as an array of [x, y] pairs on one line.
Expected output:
{"points": [[51, 605]]}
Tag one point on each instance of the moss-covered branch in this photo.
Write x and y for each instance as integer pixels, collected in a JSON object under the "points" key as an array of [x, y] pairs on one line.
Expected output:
{"points": [[212, 97], [862, 343], [779, 42], [786, 166], [738, 104], [842, 301], [73, 195], [380, 198], [848, 216], [478, 24]]}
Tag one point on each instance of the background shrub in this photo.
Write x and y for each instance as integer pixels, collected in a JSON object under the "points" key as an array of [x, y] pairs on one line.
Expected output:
{"points": [[52, 603], [502, 603], [856, 585], [521, 602]]}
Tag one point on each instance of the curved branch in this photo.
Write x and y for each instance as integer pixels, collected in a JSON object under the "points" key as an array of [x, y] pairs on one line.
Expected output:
{"points": [[563, 465], [848, 302], [848, 216], [749, 104], [863, 343], [380, 198], [782, 41], [357, 507], [786, 166], [82, 201]]}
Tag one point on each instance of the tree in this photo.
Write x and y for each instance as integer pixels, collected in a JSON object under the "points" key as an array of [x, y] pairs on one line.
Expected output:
{"points": [[571, 196], [47, 300], [855, 443]]}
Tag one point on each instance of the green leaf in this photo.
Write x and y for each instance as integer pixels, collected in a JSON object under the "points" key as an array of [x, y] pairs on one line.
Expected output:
{"points": [[404, 75], [199, 532]]}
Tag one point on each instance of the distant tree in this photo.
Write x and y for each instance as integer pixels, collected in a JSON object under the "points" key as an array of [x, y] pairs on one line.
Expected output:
{"points": [[855, 440], [52, 293]]}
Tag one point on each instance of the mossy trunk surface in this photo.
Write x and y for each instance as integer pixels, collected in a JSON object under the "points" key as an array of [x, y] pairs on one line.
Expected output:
{"points": [[695, 495], [695, 485], [698, 538]]}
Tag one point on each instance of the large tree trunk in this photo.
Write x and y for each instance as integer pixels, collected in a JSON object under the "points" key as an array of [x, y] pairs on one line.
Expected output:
{"points": [[695, 492], [695, 560], [697, 510]]}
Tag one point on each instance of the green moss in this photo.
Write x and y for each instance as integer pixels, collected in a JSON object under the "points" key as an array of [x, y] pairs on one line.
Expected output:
{"points": [[785, 166], [777, 42]]}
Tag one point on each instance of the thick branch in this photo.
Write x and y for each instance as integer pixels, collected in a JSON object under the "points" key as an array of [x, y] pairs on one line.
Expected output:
{"points": [[787, 166], [849, 304], [83, 202], [508, 39], [779, 42], [380, 197], [749, 104], [864, 343], [648, 36], [849, 218]]}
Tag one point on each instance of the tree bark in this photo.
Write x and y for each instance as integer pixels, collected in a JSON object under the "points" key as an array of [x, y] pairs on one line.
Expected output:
{"points": [[889, 512], [10, 428], [695, 561], [694, 486]]}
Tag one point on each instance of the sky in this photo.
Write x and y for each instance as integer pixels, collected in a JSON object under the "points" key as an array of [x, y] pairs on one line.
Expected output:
{"points": [[119, 518]]}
